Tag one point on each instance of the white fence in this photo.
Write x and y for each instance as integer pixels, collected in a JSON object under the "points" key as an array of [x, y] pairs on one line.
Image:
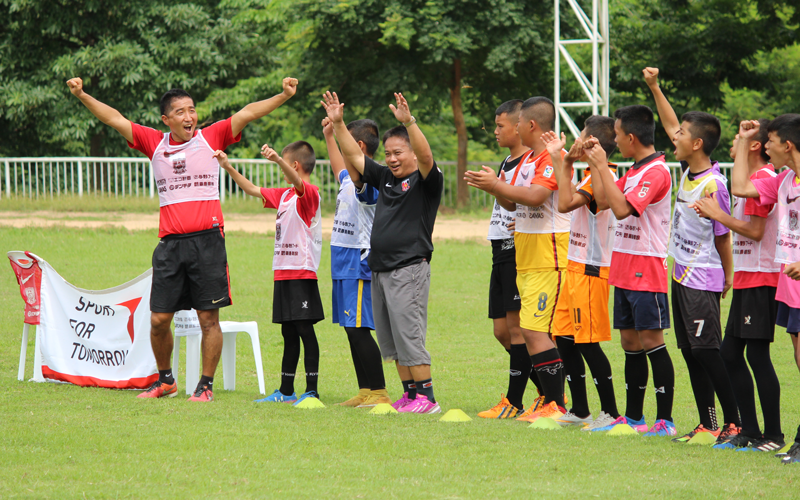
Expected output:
{"points": [[52, 177]]}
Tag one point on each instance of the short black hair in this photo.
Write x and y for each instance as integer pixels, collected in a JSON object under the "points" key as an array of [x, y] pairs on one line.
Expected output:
{"points": [[171, 95], [510, 108], [763, 137], [787, 128], [398, 131], [301, 152], [602, 129], [639, 121], [366, 131], [541, 110], [704, 126]]}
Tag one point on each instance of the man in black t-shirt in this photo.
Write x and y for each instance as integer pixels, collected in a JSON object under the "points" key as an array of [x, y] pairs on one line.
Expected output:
{"points": [[410, 189]]}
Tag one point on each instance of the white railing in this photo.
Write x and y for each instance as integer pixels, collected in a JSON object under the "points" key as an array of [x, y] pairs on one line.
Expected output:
{"points": [[35, 178]]}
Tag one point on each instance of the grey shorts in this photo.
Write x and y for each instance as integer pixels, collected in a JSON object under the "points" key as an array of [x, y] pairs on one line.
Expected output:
{"points": [[400, 310]]}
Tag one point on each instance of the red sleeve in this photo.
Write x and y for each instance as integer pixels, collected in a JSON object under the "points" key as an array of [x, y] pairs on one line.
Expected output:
{"points": [[145, 139], [220, 135], [652, 187], [768, 188], [751, 207], [271, 197], [308, 204]]}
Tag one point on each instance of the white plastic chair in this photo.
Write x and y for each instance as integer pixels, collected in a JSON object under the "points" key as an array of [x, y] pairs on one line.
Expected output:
{"points": [[187, 325], [37, 356]]}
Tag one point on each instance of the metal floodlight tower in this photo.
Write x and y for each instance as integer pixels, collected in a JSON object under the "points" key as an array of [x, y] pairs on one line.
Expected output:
{"points": [[596, 90]]}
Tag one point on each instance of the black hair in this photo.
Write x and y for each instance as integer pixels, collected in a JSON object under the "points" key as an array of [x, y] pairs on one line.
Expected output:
{"points": [[704, 126], [398, 131], [541, 110], [602, 129], [510, 108], [763, 137], [301, 152], [365, 131], [637, 120], [169, 96], [787, 128]]}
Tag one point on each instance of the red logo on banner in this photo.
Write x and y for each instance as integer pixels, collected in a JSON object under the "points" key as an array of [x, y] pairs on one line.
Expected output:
{"points": [[131, 305], [29, 277]]}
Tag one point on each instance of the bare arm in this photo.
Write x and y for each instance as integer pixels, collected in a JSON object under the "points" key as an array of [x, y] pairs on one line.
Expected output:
{"points": [[256, 110], [568, 197], [669, 120], [723, 244], [248, 187], [709, 207], [507, 204], [103, 112], [353, 156], [336, 158], [485, 180], [418, 141], [741, 185], [291, 174], [612, 196]]}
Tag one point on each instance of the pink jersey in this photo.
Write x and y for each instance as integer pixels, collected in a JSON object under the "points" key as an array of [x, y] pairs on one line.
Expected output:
{"points": [[754, 261]]}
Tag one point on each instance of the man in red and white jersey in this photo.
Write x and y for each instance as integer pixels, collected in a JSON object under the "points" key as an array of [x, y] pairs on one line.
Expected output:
{"points": [[190, 269]]}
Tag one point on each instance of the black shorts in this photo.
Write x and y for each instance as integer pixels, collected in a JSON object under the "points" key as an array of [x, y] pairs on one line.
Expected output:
{"points": [[503, 293], [695, 317], [190, 271], [296, 300], [789, 318], [753, 314]]}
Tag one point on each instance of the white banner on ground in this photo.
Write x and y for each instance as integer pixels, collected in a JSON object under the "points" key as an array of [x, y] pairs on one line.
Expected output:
{"points": [[97, 337]]}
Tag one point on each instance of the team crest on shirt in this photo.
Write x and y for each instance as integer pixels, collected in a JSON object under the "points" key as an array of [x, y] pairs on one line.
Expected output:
{"points": [[792, 220], [677, 219], [179, 163], [277, 232], [406, 185]]}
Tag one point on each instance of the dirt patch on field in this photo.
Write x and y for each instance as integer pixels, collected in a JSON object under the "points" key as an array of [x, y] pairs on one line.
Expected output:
{"points": [[262, 223]]}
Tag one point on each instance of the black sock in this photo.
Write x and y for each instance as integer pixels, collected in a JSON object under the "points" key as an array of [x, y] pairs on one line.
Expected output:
{"points": [[769, 388], [310, 353], [291, 356], [575, 372], [207, 382], [369, 355], [519, 370], [165, 376], [549, 367], [663, 380], [411, 388], [715, 368], [636, 374], [732, 352], [361, 375], [703, 390], [425, 388], [797, 436], [534, 377], [601, 373]]}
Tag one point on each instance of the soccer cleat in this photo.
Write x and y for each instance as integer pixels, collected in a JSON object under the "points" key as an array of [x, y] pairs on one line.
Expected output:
{"points": [[357, 399], [793, 455], [503, 409], [421, 405], [309, 394], [160, 390], [662, 427], [785, 450], [202, 394], [402, 402], [737, 441], [764, 444], [537, 405], [602, 420], [686, 437], [637, 425], [570, 418], [374, 398], [550, 410], [728, 432], [278, 397]]}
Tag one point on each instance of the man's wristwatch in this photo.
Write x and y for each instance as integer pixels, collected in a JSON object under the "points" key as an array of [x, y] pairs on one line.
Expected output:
{"points": [[412, 122]]}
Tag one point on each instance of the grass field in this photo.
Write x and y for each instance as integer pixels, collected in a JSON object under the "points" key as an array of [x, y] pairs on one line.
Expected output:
{"points": [[62, 441]]}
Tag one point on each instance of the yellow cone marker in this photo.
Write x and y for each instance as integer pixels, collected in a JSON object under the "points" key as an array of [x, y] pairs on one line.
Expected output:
{"points": [[622, 430], [383, 409], [455, 416], [703, 438], [545, 423], [310, 404]]}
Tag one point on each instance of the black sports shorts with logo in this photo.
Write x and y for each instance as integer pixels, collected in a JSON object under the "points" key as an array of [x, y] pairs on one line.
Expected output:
{"points": [[190, 271], [296, 300], [503, 292], [753, 313], [695, 317]]}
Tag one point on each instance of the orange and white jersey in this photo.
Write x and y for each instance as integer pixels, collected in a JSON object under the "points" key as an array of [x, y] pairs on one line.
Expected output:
{"points": [[544, 219]]}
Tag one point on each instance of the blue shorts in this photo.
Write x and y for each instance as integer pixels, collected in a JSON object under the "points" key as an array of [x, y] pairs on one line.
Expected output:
{"points": [[789, 318], [352, 303], [640, 310]]}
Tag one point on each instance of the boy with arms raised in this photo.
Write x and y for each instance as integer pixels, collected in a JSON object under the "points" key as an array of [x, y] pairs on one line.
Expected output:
{"points": [[410, 189], [751, 321], [640, 201], [351, 294], [296, 304], [783, 191], [703, 267], [190, 264], [581, 320], [541, 239], [504, 299]]}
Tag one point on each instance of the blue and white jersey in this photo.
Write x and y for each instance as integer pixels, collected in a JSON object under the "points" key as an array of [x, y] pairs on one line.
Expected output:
{"points": [[352, 227]]}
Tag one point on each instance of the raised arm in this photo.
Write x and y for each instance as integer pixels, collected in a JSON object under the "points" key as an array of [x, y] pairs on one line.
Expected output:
{"points": [[741, 185], [568, 197], [669, 120], [335, 156], [418, 141], [256, 110], [288, 171], [248, 187], [709, 207], [103, 112], [354, 157]]}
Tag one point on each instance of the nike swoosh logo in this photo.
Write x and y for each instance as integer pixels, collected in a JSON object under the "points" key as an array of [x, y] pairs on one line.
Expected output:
{"points": [[388, 185], [791, 200], [25, 280], [535, 315], [218, 300]]}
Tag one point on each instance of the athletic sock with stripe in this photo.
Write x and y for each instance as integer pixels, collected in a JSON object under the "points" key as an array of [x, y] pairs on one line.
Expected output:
{"points": [[575, 371], [425, 388], [519, 370], [664, 380], [549, 367], [410, 387], [601, 373]]}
